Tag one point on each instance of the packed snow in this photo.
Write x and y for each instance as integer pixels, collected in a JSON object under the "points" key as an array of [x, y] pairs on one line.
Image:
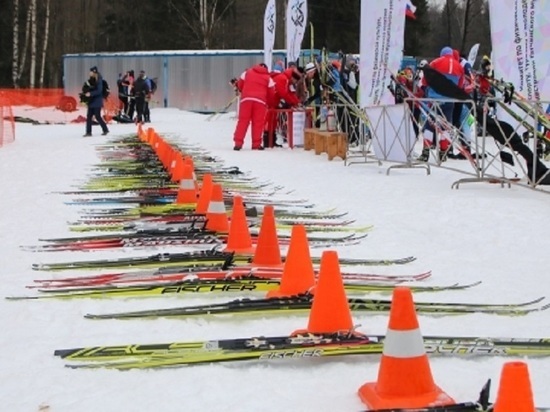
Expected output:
{"points": [[479, 232]]}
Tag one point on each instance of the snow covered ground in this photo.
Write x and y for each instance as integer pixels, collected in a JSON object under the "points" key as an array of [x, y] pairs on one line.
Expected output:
{"points": [[479, 232]]}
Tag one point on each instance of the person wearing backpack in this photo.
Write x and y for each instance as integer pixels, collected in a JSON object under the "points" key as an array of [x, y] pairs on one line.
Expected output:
{"points": [[95, 102], [152, 88]]}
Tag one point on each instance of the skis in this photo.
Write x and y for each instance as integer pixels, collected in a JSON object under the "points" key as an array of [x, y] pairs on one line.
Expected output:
{"points": [[163, 260], [159, 260], [245, 284], [176, 237], [302, 303], [299, 346], [204, 272]]}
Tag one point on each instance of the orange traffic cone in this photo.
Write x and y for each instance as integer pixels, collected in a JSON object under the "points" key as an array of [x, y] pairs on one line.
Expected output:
{"points": [[239, 239], [404, 376], [204, 194], [150, 134], [514, 393], [188, 160], [216, 215], [330, 311], [298, 276], [175, 165], [187, 192], [268, 252]]}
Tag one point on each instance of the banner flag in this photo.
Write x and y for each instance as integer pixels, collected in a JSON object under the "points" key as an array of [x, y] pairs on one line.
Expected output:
{"points": [[472, 55], [270, 20], [296, 21], [381, 48], [521, 45]]}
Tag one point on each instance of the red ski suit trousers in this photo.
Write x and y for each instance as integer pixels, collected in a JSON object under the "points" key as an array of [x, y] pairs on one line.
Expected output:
{"points": [[251, 112]]}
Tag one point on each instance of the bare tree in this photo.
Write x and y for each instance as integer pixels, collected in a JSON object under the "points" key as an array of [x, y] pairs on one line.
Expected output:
{"points": [[467, 19], [32, 74], [15, 55], [202, 17], [45, 43], [21, 64]]}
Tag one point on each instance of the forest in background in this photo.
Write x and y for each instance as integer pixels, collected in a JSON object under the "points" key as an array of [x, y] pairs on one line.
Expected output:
{"points": [[35, 34]]}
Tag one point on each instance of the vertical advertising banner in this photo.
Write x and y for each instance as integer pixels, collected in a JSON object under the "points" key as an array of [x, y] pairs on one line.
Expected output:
{"points": [[381, 48], [270, 20], [296, 21], [520, 37]]}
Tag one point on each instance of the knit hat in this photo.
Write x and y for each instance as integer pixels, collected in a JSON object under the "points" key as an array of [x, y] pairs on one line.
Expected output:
{"points": [[93, 69], [310, 67], [446, 51]]}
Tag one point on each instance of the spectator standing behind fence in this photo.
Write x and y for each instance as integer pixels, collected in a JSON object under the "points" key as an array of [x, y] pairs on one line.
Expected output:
{"points": [[95, 103], [257, 93], [141, 91], [450, 67]]}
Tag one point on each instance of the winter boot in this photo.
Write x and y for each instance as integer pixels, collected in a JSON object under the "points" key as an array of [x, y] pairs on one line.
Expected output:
{"points": [[266, 139], [425, 155]]}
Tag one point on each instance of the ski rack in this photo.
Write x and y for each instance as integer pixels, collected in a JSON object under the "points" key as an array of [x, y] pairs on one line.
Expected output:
{"points": [[393, 140], [528, 125]]}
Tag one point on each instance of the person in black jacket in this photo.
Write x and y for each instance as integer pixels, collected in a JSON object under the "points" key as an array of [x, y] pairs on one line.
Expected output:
{"points": [[94, 97], [141, 91]]}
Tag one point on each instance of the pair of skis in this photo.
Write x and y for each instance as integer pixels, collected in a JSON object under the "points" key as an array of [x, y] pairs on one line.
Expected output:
{"points": [[213, 256], [290, 348], [204, 272], [302, 304], [193, 286]]}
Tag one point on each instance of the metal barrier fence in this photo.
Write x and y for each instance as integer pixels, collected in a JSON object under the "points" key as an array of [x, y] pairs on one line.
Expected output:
{"points": [[423, 133], [289, 125]]}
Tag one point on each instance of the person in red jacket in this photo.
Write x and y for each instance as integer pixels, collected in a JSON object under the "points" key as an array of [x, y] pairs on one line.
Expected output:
{"points": [[285, 98], [450, 67], [257, 92], [285, 86]]}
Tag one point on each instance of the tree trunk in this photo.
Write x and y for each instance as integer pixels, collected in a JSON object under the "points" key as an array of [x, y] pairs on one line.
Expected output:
{"points": [[25, 47], [45, 44], [15, 55], [32, 73], [465, 26], [449, 32]]}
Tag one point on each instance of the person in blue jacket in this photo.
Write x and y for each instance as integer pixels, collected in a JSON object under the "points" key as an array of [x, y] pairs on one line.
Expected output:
{"points": [[95, 102]]}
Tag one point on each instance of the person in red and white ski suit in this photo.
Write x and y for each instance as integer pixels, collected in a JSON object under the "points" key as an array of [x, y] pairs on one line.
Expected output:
{"points": [[285, 97], [257, 93]]}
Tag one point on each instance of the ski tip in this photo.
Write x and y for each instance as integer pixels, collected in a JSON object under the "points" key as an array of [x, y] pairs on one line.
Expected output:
{"points": [[21, 297]]}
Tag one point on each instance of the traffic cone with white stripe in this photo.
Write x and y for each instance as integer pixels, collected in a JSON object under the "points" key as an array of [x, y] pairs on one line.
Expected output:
{"points": [[298, 275], [514, 392], [216, 215], [175, 167], [239, 239], [404, 376], [187, 192]]}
